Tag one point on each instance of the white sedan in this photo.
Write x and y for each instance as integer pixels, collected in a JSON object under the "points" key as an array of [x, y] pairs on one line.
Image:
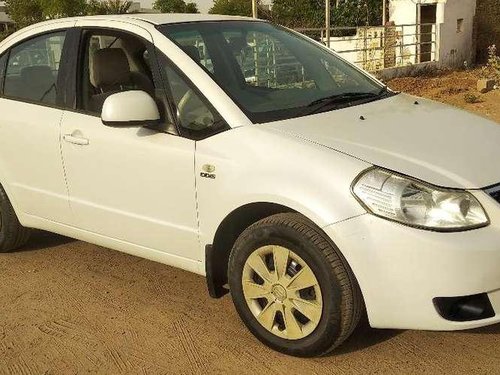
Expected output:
{"points": [[248, 153]]}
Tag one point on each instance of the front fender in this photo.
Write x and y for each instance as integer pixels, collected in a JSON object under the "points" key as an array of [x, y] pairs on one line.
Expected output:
{"points": [[254, 164]]}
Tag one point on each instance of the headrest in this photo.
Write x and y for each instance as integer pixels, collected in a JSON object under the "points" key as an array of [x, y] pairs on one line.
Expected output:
{"points": [[237, 43], [193, 52], [38, 75], [109, 66]]}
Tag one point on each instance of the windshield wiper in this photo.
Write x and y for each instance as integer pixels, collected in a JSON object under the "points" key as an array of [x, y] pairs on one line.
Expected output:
{"points": [[343, 98]]}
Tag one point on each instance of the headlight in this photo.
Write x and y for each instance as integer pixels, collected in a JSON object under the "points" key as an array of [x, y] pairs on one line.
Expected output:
{"points": [[418, 204]]}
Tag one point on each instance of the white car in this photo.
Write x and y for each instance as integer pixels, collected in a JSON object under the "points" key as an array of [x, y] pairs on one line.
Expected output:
{"points": [[311, 191]]}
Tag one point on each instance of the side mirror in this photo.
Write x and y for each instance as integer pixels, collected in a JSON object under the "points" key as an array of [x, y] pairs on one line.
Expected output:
{"points": [[130, 108]]}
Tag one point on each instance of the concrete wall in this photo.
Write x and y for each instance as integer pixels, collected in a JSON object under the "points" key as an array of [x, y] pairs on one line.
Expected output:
{"points": [[487, 27], [455, 47]]}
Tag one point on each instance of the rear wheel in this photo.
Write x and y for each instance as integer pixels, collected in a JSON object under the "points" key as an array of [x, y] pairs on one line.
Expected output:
{"points": [[292, 287], [12, 234]]}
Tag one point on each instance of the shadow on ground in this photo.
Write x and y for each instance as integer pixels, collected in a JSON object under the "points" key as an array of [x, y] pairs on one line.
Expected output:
{"points": [[40, 240], [365, 337], [492, 330]]}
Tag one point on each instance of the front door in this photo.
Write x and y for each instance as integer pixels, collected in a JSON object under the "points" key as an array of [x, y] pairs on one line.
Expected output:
{"points": [[132, 184]]}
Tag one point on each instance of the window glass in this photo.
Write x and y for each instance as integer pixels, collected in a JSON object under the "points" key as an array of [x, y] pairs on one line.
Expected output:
{"points": [[274, 74], [113, 62], [33, 67], [194, 45], [194, 115], [266, 62]]}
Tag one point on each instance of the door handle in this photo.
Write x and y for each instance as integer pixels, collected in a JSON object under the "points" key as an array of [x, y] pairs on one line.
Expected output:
{"points": [[80, 141]]}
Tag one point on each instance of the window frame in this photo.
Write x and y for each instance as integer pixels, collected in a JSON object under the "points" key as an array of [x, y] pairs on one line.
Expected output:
{"points": [[3, 69], [184, 132], [85, 33], [59, 104]]}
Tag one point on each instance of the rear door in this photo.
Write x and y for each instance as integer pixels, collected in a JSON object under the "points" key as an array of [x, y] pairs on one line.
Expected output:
{"points": [[30, 115]]}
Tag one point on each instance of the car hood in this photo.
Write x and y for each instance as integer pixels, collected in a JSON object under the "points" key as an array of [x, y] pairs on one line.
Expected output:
{"points": [[420, 138]]}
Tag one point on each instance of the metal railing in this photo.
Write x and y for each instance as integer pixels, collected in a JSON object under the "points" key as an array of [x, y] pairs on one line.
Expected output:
{"points": [[377, 47]]}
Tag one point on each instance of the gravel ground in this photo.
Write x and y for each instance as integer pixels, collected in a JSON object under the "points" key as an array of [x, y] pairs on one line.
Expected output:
{"points": [[70, 307]]}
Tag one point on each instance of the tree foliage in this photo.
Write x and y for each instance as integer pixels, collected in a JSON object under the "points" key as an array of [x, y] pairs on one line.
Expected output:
{"points": [[233, 7], [357, 13], [63, 8], [175, 6], [299, 13], [94, 7], [308, 13], [5, 34], [192, 8], [25, 12], [291, 13]]}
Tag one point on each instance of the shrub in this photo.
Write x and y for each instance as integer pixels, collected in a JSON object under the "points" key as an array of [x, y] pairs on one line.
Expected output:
{"points": [[5, 34], [471, 98], [494, 62]]}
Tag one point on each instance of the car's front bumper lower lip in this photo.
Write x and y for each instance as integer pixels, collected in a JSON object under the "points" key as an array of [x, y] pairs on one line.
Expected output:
{"points": [[402, 270]]}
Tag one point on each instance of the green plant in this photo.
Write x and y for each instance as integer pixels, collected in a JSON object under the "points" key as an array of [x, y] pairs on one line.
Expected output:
{"points": [[494, 62], [108, 7], [472, 98], [232, 7], [5, 34], [175, 6]]}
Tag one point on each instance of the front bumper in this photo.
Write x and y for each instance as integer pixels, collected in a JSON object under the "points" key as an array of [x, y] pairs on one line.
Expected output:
{"points": [[401, 270]]}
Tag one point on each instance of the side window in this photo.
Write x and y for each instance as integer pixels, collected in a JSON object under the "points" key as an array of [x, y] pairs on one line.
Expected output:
{"points": [[3, 61], [33, 68], [195, 115], [270, 65], [112, 62]]}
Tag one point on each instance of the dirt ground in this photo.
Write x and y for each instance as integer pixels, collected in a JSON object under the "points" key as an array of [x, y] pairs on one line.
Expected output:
{"points": [[69, 307], [452, 88]]}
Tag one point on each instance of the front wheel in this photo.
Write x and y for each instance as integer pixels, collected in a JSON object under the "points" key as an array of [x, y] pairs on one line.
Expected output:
{"points": [[292, 288]]}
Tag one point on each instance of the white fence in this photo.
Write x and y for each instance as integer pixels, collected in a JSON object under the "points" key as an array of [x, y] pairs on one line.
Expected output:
{"points": [[374, 48]]}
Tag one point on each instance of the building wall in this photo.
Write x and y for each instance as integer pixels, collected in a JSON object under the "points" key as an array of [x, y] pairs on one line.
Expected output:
{"points": [[487, 27], [455, 46]]}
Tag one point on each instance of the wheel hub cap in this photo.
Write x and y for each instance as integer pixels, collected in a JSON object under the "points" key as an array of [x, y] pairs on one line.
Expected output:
{"points": [[279, 292], [282, 292]]}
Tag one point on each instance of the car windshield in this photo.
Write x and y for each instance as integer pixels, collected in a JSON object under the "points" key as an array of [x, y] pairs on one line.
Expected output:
{"points": [[272, 73]]}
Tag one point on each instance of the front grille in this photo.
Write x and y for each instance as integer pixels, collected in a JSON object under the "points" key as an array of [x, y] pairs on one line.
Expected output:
{"points": [[494, 192]]}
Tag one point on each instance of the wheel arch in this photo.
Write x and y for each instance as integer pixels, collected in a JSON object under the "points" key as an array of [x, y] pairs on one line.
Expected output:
{"points": [[9, 193], [230, 228]]}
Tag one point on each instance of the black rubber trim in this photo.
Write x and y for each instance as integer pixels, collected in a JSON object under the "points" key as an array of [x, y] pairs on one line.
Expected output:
{"points": [[66, 80], [464, 308], [215, 284], [124, 124]]}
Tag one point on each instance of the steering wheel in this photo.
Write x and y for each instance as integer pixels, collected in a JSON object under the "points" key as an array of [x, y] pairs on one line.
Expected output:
{"points": [[193, 113]]}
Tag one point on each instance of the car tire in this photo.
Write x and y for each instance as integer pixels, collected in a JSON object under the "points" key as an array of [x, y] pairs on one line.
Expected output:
{"points": [[305, 245], [12, 234]]}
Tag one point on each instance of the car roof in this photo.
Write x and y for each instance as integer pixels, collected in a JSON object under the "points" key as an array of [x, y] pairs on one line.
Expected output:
{"points": [[165, 18], [162, 18], [135, 18]]}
